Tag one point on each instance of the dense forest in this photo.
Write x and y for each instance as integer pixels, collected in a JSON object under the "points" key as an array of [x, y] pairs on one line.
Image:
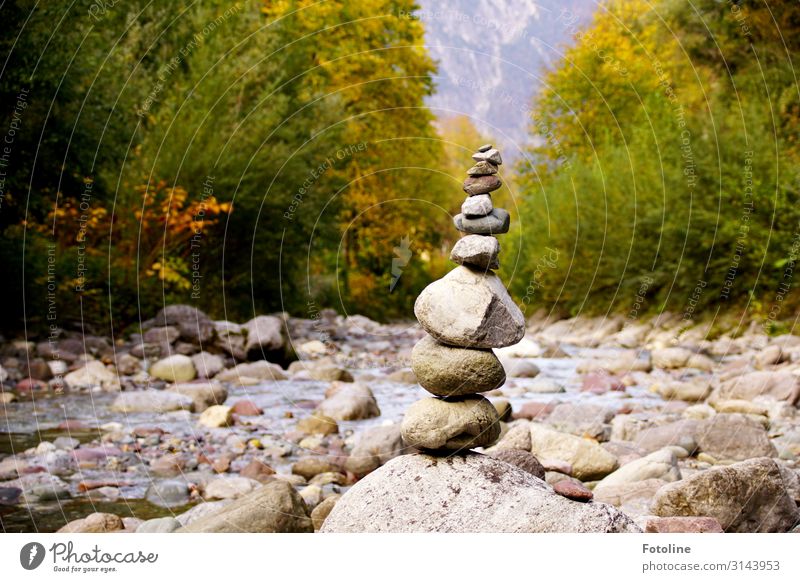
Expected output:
{"points": [[242, 157], [250, 157], [665, 170]]}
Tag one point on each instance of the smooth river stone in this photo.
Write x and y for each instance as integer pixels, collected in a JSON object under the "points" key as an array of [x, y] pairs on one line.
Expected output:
{"points": [[496, 222], [158, 401], [447, 371], [477, 206], [470, 309], [435, 424], [477, 250], [475, 185], [482, 169], [747, 497], [491, 155]]}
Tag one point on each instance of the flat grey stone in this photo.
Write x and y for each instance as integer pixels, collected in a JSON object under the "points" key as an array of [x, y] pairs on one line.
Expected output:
{"points": [[496, 222], [265, 338], [485, 147], [170, 493], [734, 437], [66, 443]]}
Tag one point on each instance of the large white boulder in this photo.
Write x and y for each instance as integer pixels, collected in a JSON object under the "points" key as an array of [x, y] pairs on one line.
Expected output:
{"points": [[469, 493], [469, 308]]}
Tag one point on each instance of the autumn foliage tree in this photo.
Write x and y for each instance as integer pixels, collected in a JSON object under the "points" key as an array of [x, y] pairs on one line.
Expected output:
{"points": [[298, 128], [372, 66], [663, 172]]}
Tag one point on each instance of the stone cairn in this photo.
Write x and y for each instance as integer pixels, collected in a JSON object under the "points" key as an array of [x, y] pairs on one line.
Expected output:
{"points": [[466, 314]]}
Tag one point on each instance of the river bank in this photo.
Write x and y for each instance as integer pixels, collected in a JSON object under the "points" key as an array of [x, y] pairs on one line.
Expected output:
{"points": [[166, 428]]}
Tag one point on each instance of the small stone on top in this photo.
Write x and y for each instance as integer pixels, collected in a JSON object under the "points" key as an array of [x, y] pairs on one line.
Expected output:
{"points": [[485, 147]]}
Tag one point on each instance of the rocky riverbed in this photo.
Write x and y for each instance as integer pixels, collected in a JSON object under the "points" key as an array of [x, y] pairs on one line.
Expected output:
{"points": [[198, 425]]}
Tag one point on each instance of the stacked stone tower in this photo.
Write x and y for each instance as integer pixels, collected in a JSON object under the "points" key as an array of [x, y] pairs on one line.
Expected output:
{"points": [[466, 314]]}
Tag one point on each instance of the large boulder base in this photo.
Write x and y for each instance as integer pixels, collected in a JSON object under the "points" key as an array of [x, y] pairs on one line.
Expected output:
{"points": [[461, 494]]}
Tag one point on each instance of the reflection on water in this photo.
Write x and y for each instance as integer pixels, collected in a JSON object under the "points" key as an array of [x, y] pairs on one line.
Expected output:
{"points": [[50, 517]]}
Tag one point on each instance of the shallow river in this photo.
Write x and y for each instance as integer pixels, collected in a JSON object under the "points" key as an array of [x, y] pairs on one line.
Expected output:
{"points": [[25, 424]]}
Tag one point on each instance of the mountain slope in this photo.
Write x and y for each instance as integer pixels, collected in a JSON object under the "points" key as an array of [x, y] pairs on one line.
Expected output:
{"points": [[491, 55]]}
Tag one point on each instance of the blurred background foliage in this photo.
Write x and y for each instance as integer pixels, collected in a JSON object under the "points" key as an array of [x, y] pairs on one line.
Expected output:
{"points": [[666, 162], [280, 150], [255, 157]]}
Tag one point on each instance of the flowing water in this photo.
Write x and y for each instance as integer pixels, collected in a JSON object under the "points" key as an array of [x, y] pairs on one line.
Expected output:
{"points": [[27, 423]]}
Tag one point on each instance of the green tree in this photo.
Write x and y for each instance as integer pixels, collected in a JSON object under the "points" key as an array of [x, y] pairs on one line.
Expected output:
{"points": [[244, 156], [666, 142]]}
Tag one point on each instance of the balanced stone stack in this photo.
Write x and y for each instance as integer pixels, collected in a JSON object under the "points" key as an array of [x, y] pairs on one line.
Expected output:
{"points": [[466, 314]]}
